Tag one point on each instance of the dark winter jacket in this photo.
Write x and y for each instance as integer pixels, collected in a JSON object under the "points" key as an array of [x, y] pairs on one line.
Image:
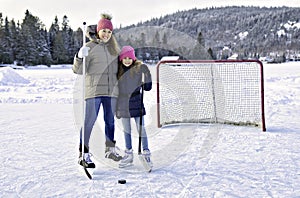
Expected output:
{"points": [[101, 67], [130, 84]]}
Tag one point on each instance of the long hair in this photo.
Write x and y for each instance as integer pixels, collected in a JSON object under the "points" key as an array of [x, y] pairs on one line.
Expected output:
{"points": [[113, 46], [135, 67]]}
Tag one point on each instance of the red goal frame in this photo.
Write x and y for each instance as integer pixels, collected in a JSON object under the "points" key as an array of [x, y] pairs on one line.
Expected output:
{"points": [[263, 124]]}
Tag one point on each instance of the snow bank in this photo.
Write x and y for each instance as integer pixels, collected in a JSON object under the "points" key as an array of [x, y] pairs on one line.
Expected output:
{"points": [[10, 76]]}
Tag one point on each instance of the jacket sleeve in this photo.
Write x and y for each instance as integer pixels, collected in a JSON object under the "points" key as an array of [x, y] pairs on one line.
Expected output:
{"points": [[148, 78], [78, 62], [77, 65]]}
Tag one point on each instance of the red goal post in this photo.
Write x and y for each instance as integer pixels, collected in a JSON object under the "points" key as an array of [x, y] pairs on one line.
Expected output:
{"points": [[210, 91]]}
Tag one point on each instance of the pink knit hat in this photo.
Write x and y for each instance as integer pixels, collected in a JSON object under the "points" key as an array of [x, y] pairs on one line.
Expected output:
{"points": [[127, 51], [104, 23]]}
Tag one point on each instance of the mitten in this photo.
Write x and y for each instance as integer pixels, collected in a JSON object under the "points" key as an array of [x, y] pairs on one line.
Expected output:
{"points": [[83, 52]]}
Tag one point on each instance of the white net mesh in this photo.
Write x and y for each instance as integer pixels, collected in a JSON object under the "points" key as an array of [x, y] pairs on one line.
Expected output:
{"points": [[224, 92]]}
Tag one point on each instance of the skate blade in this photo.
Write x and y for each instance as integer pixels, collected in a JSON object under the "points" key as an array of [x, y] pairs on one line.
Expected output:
{"points": [[125, 165]]}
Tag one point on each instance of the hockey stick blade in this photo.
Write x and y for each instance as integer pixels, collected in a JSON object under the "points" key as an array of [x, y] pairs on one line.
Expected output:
{"points": [[145, 164], [87, 173], [84, 166]]}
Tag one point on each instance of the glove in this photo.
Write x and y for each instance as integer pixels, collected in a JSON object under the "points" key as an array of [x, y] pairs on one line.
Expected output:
{"points": [[83, 52]]}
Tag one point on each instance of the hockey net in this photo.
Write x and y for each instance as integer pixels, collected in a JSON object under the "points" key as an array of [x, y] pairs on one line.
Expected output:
{"points": [[228, 92]]}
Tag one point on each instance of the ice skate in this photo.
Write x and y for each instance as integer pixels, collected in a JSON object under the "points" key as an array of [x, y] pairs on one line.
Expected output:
{"points": [[127, 159], [146, 155], [86, 162], [110, 153]]}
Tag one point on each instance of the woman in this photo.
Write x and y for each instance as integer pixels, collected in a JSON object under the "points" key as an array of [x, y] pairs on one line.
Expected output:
{"points": [[101, 54]]}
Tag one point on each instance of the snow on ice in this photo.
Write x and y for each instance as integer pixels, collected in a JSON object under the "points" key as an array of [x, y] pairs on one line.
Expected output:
{"points": [[40, 119]]}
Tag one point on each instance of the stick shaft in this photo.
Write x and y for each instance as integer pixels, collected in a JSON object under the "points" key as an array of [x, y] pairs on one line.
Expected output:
{"points": [[141, 117], [83, 91]]}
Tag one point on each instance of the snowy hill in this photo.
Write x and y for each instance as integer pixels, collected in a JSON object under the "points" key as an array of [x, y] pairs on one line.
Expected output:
{"points": [[39, 139], [248, 31]]}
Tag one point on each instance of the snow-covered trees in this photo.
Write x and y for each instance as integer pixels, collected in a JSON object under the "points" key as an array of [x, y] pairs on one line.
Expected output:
{"points": [[29, 43]]}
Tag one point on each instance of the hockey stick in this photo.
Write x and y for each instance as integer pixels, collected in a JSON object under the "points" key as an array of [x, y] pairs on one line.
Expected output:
{"points": [[141, 116], [142, 159], [83, 103]]}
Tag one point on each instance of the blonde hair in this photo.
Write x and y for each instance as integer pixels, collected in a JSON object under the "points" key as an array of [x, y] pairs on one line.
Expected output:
{"points": [[113, 46]]}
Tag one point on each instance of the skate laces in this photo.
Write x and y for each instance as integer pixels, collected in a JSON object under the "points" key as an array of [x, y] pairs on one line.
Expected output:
{"points": [[114, 152], [147, 155], [87, 158]]}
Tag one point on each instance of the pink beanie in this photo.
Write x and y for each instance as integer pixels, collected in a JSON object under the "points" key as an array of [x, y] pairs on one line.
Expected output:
{"points": [[127, 51], [104, 24]]}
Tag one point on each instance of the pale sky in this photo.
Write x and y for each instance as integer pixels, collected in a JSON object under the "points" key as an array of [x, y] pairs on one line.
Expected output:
{"points": [[125, 12]]}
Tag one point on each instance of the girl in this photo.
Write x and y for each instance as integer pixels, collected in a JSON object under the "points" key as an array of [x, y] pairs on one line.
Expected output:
{"points": [[101, 55], [129, 101]]}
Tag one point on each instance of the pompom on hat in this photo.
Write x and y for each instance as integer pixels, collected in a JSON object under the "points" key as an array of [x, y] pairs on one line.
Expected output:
{"points": [[127, 51], [105, 23]]}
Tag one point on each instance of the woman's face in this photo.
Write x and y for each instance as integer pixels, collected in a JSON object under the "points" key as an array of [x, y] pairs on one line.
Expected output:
{"points": [[127, 61], [105, 35]]}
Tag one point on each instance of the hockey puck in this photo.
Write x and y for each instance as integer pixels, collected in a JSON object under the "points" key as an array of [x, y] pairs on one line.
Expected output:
{"points": [[122, 181]]}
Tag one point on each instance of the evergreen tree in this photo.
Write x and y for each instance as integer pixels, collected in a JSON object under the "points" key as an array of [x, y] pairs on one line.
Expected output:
{"points": [[13, 35], [53, 31], [35, 42], [2, 38], [201, 40], [44, 55], [21, 50], [67, 41], [59, 51], [211, 54], [6, 44], [77, 41]]}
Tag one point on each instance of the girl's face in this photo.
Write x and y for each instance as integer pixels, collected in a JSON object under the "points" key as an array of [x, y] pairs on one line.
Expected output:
{"points": [[105, 35], [127, 61]]}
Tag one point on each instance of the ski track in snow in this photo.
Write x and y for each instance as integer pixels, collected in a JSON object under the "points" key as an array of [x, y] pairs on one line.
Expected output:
{"points": [[39, 139]]}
